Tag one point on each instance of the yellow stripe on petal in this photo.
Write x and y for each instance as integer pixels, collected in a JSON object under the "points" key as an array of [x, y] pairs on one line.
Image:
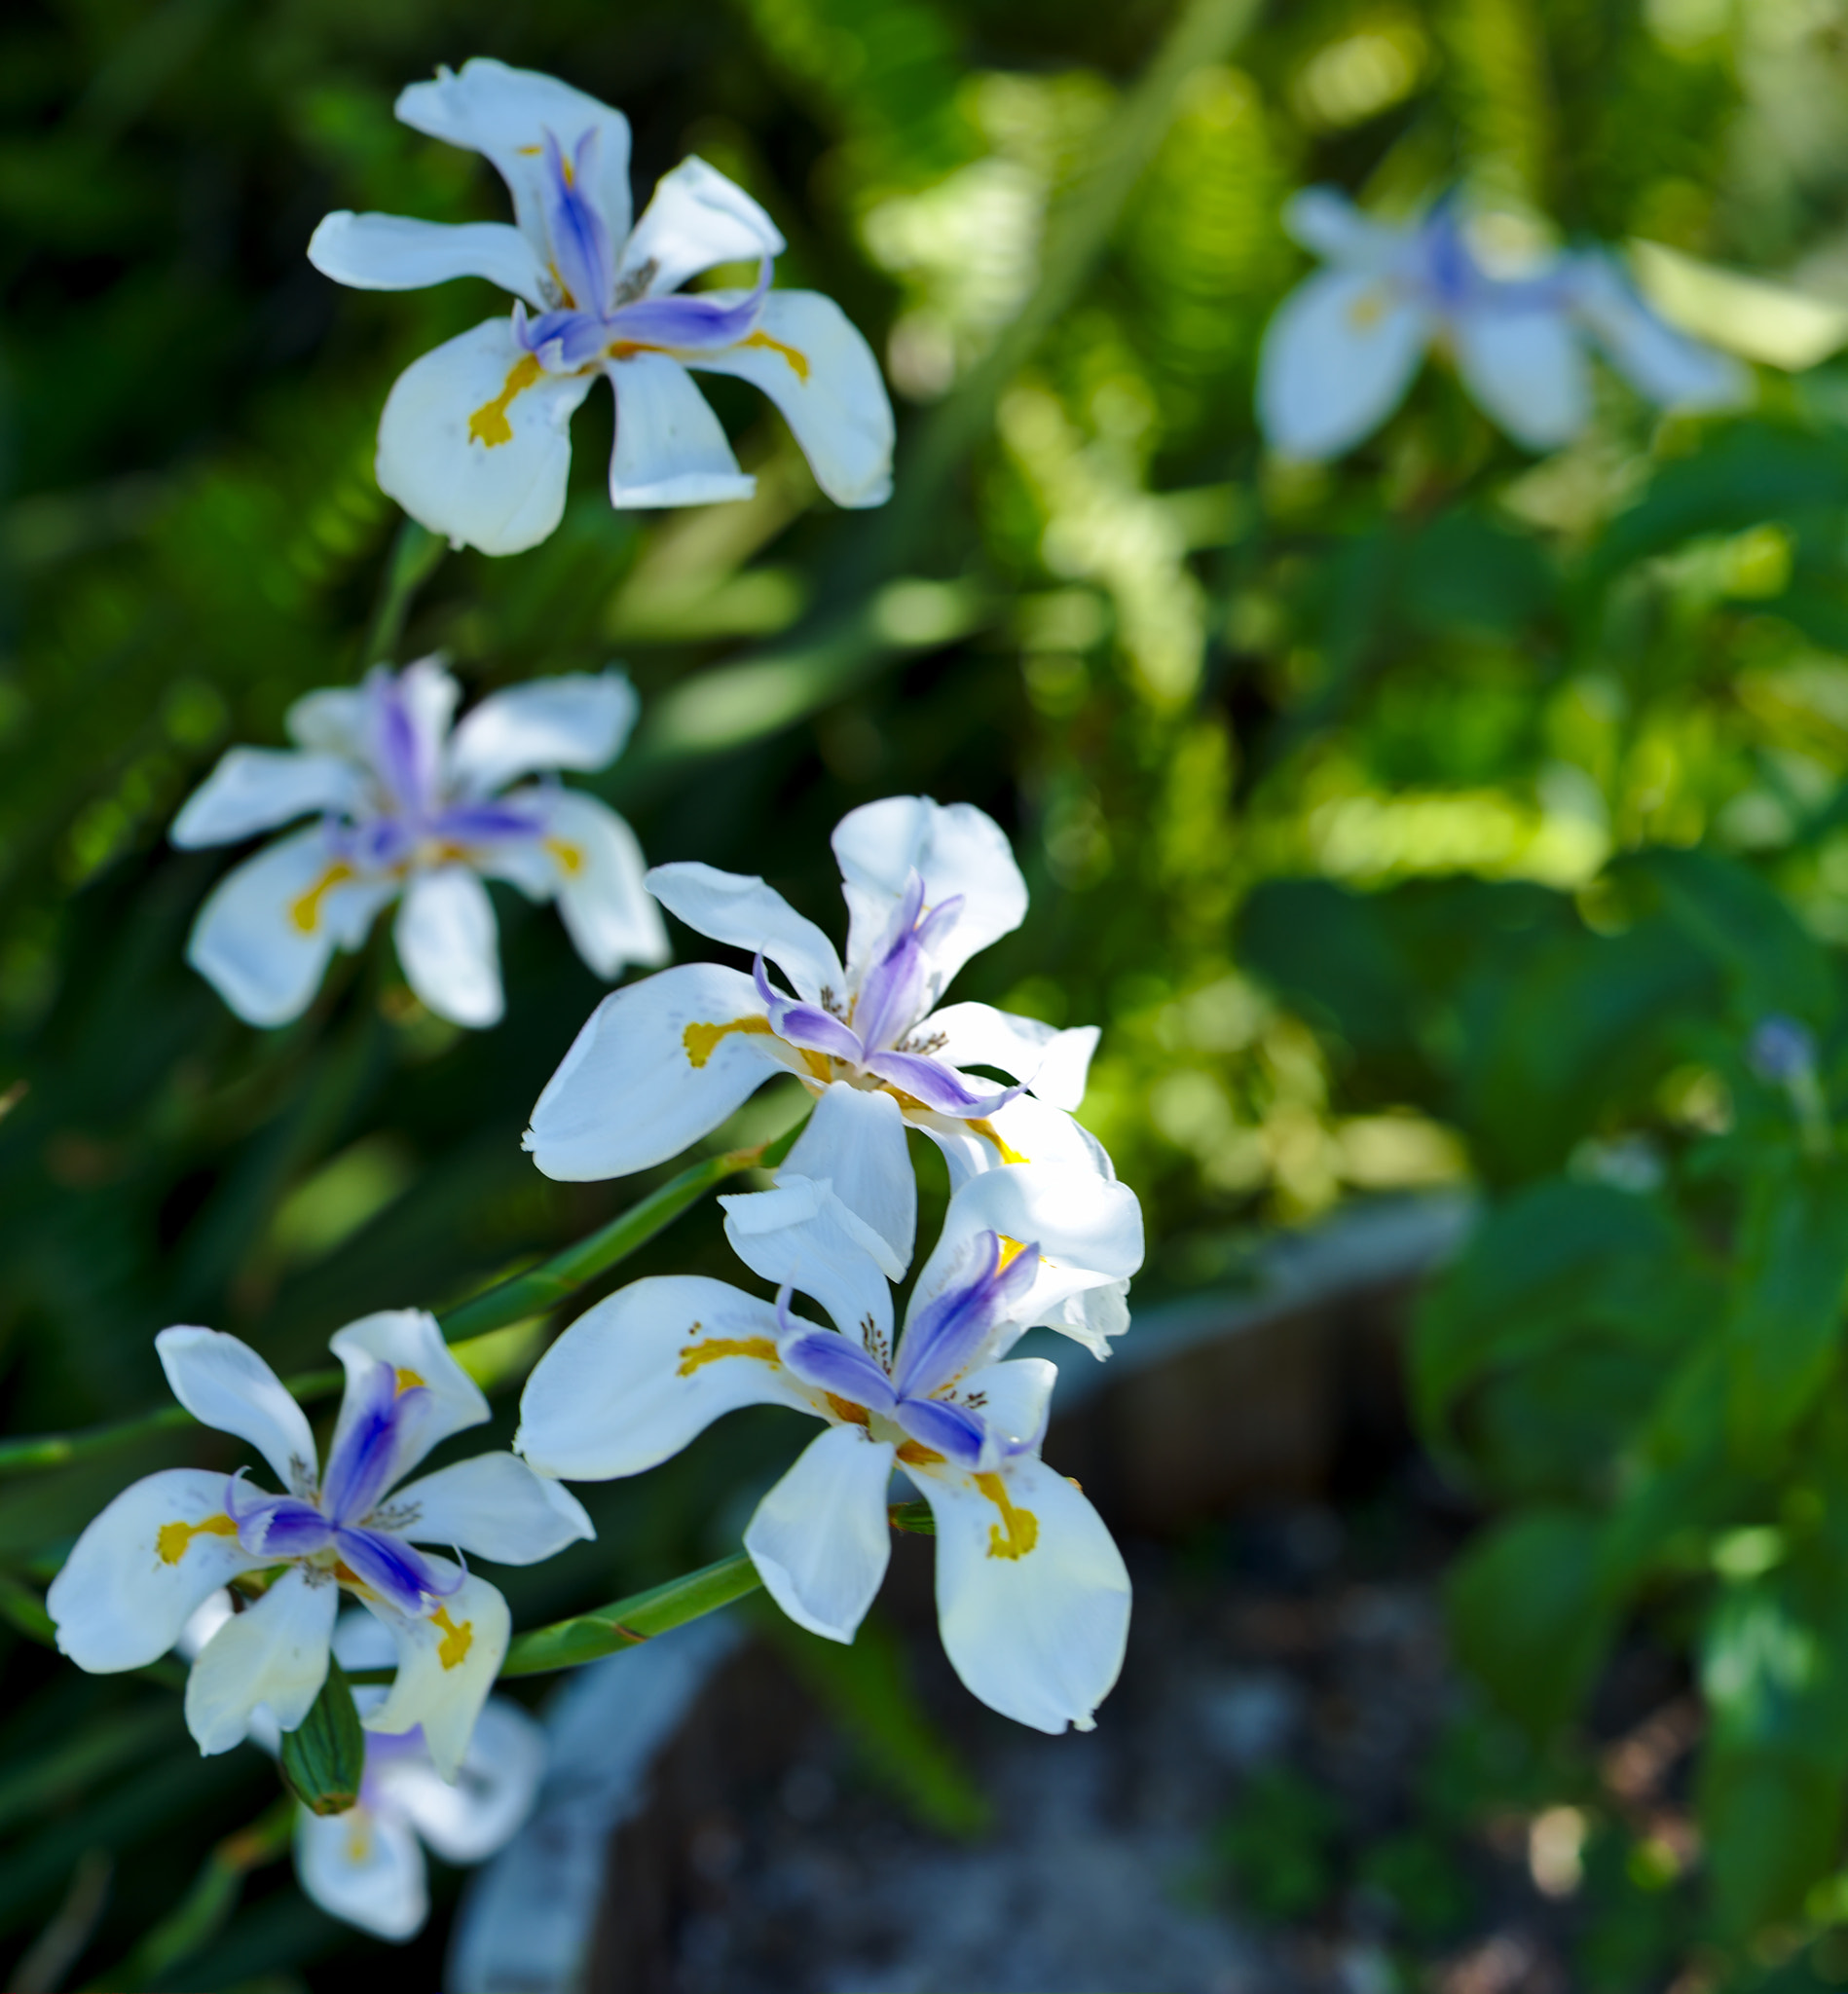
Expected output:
{"points": [[701, 1039], [175, 1539], [407, 1381], [798, 362], [305, 910], [489, 423], [1003, 1149], [714, 1347], [456, 1643], [1010, 1251], [570, 857], [1022, 1526]]}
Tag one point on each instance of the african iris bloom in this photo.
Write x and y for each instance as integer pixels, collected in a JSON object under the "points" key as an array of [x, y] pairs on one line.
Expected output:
{"points": [[139, 1571], [367, 1865], [1032, 1597], [475, 441], [663, 1062], [411, 807], [1343, 348]]}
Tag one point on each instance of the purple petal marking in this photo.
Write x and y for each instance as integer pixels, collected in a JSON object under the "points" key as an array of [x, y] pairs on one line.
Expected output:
{"points": [[278, 1526], [363, 1463], [937, 1085], [390, 1566], [579, 234], [938, 923], [684, 322], [561, 341], [947, 1335], [833, 1362], [404, 763], [806, 1024], [954, 1431], [892, 993], [483, 823]]}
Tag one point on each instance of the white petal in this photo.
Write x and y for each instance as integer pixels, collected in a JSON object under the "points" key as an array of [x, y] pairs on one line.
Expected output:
{"points": [[448, 945], [575, 720], [364, 1867], [1033, 1131], [697, 218], [820, 1539], [1017, 1396], [671, 448], [273, 1653], [855, 1140], [729, 906], [628, 1094], [492, 1793], [1324, 220], [447, 1663], [493, 1506], [1658, 360], [504, 114], [120, 1602], [203, 1622], [501, 497], [801, 1234], [955, 849], [226, 1386], [256, 788], [1095, 1318], [331, 721], [1335, 361], [1053, 1063], [605, 907], [1038, 1635], [815, 364], [267, 929], [362, 1642], [1527, 372], [411, 1343], [391, 252], [635, 1377]]}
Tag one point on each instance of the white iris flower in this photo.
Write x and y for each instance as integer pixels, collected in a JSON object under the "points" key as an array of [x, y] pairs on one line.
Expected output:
{"points": [[1341, 350], [1032, 1597], [412, 809], [664, 1062], [141, 1569], [475, 439]]}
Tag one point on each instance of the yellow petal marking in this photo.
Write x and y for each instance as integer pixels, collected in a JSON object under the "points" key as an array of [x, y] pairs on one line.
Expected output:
{"points": [[489, 423], [305, 910], [1003, 1150], [1010, 1251], [700, 1039], [1367, 310], [359, 1834], [456, 1641], [914, 1454], [799, 362], [846, 1410], [176, 1537], [1023, 1526], [407, 1381], [570, 857], [716, 1347]]}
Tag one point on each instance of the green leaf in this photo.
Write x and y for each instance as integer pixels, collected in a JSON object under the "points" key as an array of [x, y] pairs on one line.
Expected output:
{"points": [[323, 1758]]}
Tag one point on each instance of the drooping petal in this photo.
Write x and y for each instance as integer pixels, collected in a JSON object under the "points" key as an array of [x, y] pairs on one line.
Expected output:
{"points": [[448, 1659], [820, 1539], [637, 1375], [1024, 1131], [275, 1652], [504, 114], [449, 948], [364, 1867], [224, 1385], [267, 929], [955, 1431], [1335, 361], [802, 1235], [492, 1795], [939, 1087], [1015, 1398], [1527, 372], [1658, 360], [493, 1506], [391, 252], [599, 868], [475, 441], [955, 849], [256, 788], [816, 366], [1053, 1063], [1093, 1318], [696, 219], [656, 1066], [1032, 1596], [742, 910], [410, 1341], [575, 720], [1323, 219], [855, 1140], [671, 448], [392, 1571], [134, 1577]]}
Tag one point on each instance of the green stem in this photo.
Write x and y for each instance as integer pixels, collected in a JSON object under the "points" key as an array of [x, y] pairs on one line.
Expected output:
{"points": [[414, 554], [625, 1623]]}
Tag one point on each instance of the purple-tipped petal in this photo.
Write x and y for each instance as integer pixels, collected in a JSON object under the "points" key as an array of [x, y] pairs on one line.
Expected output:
{"points": [[363, 1465], [938, 1086], [806, 1024], [954, 1431], [393, 1568], [950, 1333], [481, 823], [402, 760], [833, 1362], [278, 1526], [581, 253], [681, 322]]}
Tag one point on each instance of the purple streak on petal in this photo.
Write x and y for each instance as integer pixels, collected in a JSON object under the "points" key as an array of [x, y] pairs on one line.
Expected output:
{"points": [[686, 323], [364, 1463], [806, 1024], [892, 992], [938, 923], [404, 764], [946, 1336], [953, 1430], [833, 1362], [283, 1526], [481, 822], [938, 1086], [579, 234], [390, 1566], [564, 341]]}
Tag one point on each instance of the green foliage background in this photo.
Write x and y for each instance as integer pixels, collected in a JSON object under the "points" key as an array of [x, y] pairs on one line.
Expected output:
{"points": [[1441, 815]]}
